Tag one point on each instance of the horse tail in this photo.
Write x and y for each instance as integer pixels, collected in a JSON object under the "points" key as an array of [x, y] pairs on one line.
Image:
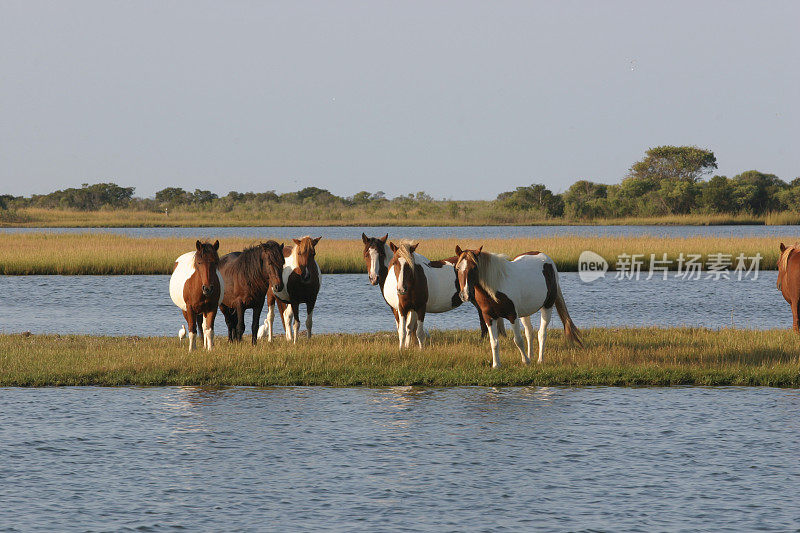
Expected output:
{"points": [[570, 329], [554, 296]]}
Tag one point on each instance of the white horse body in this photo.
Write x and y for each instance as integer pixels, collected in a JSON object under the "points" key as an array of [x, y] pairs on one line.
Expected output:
{"points": [[184, 269], [524, 283], [441, 286]]}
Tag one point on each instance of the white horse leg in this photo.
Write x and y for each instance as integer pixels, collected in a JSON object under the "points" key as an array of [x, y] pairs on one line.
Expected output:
{"points": [[206, 334], [494, 343], [546, 314], [422, 335], [288, 319], [518, 341], [268, 321], [192, 340], [411, 329], [296, 325], [401, 330], [526, 324], [309, 321]]}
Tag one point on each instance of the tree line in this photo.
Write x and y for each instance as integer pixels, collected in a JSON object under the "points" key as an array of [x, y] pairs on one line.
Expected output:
{"points": [[668, 180]]}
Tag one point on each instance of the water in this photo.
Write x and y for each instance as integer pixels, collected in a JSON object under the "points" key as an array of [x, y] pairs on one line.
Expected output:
{"points": [[399, 459], [418, 232], [140, 305]]}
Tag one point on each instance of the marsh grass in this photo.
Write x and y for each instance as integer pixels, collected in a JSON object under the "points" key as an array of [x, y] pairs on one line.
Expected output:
{"points": [[617, 357], [476, 212], [103, 253]]}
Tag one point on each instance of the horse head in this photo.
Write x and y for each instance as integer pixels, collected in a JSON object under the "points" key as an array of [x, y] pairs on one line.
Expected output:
{"points": [[374, 255], [272, 264], [206, 260], [403, 265], [467, 272], [305, 252]]}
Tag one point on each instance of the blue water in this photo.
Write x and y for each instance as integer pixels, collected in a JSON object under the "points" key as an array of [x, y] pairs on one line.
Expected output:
{"points": [[140, 305], [399, 459]]}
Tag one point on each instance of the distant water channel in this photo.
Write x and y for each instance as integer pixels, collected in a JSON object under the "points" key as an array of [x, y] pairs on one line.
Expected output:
{"points": [[419, 232], [140, 305], [399, 459]]}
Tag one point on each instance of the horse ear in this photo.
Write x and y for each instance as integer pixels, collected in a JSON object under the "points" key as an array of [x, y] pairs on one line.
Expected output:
{"points": [[199, 246], [393, 247], [479, 250], [365, 238], [384, 238], [459, 251], [297, 242], [216, 245], [783, 247], [315, 241], [413, 247], [281, 247]]}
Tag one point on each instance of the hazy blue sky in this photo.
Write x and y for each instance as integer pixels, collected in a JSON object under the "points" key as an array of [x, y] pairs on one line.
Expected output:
{"points": [[460, 99]]}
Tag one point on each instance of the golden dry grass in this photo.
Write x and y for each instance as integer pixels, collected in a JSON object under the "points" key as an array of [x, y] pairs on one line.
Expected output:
{"points": [[102, 253], [620, 357]]}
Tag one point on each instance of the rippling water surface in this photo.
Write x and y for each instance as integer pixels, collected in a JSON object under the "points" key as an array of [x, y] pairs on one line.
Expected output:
{"points": [[464, 459], [140, 305], [431, 232]]}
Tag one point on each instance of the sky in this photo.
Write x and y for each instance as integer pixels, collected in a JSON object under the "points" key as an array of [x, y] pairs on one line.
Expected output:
{"points": [[461, 99]]}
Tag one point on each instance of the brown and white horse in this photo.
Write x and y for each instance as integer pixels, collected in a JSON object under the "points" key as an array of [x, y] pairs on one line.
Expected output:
{"points": [[196, 286], [378, 254], [407, 278], [249, 274], [789, 280], [513, 290], [301, 282]]}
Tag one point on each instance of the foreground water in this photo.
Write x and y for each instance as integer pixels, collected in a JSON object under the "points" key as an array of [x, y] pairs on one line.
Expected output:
{"points": [[464, 459], [434, 232], [140, 305]]}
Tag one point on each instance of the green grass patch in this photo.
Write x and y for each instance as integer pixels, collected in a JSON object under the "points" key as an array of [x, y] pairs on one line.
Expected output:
{"points": [[614, 357]]}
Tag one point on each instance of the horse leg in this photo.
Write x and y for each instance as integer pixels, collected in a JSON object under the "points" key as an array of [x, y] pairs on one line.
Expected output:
{"points": [[239, 321], [269, 320], [200, 330], [288, 320], [546, 314], [501, 327], [796, 316], [526, 324], [227, 312], [296, 324], [411, 328], [191, 321], [518, 340], [401, 329], [493, 341], [208, 329], [257, 307], [484, 328], [421, 334], [309, 319]]}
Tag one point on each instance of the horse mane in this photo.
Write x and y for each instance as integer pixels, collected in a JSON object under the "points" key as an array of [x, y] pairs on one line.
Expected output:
{"points": [[492, 271], [248, 267], [304, 247], [404, 251], [784, 259]]}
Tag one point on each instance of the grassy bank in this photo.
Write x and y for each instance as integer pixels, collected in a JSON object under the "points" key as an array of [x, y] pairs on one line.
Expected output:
{"points": [[617, 357], [85, 253], [470, 213]]}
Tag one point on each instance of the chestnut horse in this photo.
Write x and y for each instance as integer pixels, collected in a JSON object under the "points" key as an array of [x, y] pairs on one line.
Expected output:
{"points": [[789, 280], [196, 286], [378, 254], [249, 274], [301, 283], [513, 290]]}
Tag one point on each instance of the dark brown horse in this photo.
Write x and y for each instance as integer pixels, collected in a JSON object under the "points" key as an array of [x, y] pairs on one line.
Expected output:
{"points": [[248, 276], [196, 287], [301, 283], [789, 280]]}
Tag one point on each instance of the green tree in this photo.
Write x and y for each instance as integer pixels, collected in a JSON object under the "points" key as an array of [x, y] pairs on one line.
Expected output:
{"points": [[717, 195], [757, 192], [585, 199], [173, 196], [534, 197]]}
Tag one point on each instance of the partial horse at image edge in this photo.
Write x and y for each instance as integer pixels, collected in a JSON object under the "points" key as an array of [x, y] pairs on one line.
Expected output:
{"points": [[789, 280]]}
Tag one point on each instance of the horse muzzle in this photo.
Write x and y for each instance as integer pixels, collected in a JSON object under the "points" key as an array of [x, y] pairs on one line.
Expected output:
{"points": [[464, 295], [401, 292], [207, 290], [373, 280]]}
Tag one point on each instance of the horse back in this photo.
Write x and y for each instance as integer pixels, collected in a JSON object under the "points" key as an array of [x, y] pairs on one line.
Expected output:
{"points": [[789, 278]]}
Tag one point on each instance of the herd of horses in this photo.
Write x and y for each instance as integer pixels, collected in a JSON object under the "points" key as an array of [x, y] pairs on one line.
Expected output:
{"points": [[500, 288]]}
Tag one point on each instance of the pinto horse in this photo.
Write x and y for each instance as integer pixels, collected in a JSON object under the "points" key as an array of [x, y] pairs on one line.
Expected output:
{"points": [[513, 290], [301, 282], [378, 254], [196, 286], [248, 275], [789, 280]]}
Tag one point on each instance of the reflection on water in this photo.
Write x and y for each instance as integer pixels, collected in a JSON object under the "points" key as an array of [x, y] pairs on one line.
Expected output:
{"points": [[140, 305], [473, 458]]}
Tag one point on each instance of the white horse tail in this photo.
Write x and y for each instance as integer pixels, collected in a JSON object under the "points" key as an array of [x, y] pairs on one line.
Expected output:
{"points": [[555, 296]]}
